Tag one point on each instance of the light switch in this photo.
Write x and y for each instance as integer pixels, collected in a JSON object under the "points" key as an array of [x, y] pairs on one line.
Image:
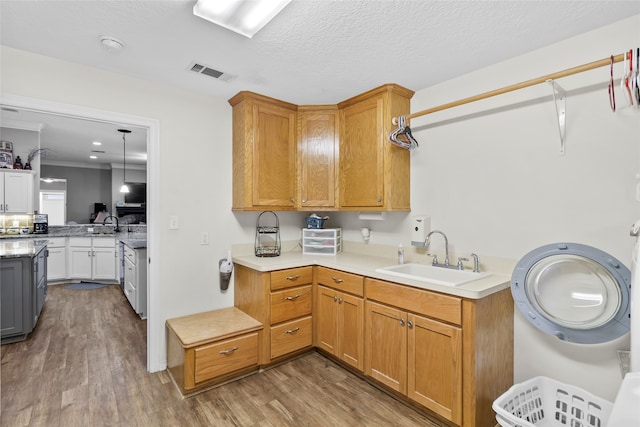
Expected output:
{"points": [[204, 238], [173, 222]]}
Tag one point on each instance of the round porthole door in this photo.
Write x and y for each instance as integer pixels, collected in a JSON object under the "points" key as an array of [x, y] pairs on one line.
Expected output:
{"points": [[575, 292]]}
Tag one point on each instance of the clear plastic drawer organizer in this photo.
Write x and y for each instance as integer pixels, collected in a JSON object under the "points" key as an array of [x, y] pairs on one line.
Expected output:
{"points": [[321, 241]]}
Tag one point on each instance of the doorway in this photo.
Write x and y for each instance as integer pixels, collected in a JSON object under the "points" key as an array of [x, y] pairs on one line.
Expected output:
{"points": [[155, 359]]}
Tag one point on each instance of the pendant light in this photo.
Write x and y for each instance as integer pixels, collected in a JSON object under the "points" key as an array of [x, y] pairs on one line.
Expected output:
{"points": [[125, 187]]}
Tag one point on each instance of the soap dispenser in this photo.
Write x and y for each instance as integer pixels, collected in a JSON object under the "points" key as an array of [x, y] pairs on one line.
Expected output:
{"points": [[226, 268]]}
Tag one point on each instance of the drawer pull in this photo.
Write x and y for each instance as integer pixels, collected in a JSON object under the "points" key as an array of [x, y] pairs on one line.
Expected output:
{"points": [[337, 279], [293, 298], [292, 331], [229, 351], [296, 277]]}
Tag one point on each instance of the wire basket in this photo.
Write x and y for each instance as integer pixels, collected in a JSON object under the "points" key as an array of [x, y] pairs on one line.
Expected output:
{"points": [[544, 402], [267, 237]]}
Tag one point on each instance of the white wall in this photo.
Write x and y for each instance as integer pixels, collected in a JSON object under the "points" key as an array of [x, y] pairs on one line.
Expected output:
{"points": [[489, 174]]}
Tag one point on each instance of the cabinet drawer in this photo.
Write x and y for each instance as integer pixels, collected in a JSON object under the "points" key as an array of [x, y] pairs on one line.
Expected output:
{"points": [[291, 303], [291, 336], [56, 242], [130, 293], [347, 282], [80, 241], [130, 254], [104, 242], [226, 356], [291, 277], [431, 304]]}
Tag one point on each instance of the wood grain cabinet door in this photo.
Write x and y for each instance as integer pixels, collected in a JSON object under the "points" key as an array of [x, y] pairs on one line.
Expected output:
{"points": [[362, 155], [317, 150], [327, 320], [386, 345], [350, 329], [435, 366], [274, 156]]}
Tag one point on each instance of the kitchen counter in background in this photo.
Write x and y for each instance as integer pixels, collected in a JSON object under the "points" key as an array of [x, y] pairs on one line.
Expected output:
{"points": [[136, 238], [366, 265]]}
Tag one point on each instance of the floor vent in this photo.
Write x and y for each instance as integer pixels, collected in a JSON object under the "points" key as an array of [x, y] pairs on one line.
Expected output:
{"points": [[208, 71]]}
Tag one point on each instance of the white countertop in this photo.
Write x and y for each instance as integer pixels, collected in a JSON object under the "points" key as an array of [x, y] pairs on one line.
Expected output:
{"points": [[21, 247], [365, 265]]}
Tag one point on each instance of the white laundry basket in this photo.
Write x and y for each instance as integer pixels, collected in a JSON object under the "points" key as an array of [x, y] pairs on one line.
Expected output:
{"points": [[544, 402]]}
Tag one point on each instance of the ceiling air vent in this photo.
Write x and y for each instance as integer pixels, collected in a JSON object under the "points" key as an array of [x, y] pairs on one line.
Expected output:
{"points": [[208, 71]]}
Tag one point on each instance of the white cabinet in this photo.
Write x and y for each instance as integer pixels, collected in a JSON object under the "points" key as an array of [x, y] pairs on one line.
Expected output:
{"points": [[16, 191], [57, 263], [93, 258], [135, 279]]}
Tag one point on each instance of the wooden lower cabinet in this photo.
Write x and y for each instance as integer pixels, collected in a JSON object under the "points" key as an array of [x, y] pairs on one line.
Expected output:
{"points": [[210, 348], [283, 301], [339, 325], [416, 356]]}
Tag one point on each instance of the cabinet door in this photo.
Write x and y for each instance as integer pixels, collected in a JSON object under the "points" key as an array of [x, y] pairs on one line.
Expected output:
{"points": [[80, 262], [327, 319], [386, 345], [350, 330], [361, 155], [316, 157], [435, 366], [130, 283], [274, 156], [13, 297], [18, 192], [105, 263], [57, 264]]}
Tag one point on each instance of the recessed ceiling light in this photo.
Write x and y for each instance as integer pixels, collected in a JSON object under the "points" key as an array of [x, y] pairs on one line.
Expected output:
{"points": [[111, 43], [97, 143], [93, 157]]}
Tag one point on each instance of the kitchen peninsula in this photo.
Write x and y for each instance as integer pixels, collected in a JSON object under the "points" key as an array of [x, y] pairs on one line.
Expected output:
{"points": [[23, 272]]}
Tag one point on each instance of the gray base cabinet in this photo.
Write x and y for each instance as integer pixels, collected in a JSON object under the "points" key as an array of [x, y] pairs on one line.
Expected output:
{"points": [[23, 286]]}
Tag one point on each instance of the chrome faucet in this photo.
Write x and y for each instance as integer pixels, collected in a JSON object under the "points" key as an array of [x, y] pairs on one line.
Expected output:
{"points": [[446, 248], [117, 229]]}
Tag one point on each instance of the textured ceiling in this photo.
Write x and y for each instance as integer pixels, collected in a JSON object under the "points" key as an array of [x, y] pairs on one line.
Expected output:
{"points": [[314, 52]]}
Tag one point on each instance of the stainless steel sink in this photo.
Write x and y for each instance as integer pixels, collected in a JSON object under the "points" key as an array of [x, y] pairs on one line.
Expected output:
{"points": [[430, 274]]}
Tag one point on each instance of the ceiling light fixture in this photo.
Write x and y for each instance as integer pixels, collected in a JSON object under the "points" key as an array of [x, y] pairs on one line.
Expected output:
{"points": [[111, 43], [241, 16], [125, 187], [93, 157], [97, 143]]}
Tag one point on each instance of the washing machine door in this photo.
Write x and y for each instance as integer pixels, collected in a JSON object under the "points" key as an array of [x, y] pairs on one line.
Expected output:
{"points": [[575, 292]]}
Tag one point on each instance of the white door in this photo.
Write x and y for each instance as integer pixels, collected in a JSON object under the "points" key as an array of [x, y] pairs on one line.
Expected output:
{"points": [[54, 204]]}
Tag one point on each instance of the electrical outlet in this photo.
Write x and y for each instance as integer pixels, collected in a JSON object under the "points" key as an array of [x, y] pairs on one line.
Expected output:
{"points": [[204, 238], [173, 222]]}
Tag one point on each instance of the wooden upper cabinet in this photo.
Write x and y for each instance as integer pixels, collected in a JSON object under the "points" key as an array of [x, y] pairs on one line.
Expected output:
{"points": [[264, 152], [318, 134], [373, 173], [320, 157]]}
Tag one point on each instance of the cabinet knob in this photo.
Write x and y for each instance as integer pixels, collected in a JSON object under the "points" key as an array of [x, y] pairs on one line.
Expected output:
{"points": [[291, 331], [292, 200], [335, 298], [296, 277], [339, 300], [304, 200], [293, 298], [337, 279], [379, 199], [401, 322], [410, 324], [230, 351]]}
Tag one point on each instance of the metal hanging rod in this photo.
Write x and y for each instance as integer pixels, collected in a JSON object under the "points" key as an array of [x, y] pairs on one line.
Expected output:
{"points": [[517, 86]]}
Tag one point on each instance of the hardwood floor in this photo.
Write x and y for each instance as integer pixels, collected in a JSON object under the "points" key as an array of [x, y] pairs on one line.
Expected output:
{"points": [[85, 365]]}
